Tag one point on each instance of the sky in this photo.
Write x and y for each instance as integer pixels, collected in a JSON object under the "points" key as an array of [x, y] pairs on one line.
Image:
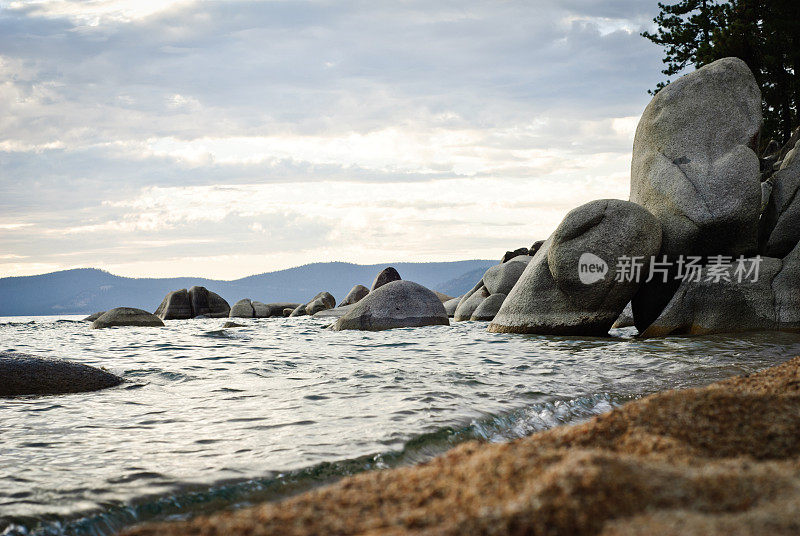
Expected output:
{"points": [[228, 138]]}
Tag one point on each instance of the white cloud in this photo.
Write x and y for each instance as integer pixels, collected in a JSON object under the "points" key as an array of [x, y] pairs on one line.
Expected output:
{"points": [[267, 134]]}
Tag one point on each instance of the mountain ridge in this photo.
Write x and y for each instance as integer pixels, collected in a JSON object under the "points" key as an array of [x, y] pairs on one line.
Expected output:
{"points": [[87, 290]]}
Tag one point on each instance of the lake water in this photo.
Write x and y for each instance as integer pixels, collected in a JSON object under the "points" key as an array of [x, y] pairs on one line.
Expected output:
{"points": [[214, 418]]}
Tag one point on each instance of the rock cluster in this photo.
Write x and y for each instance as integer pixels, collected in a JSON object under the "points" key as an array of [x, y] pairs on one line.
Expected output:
{"points": [[197, 301]]}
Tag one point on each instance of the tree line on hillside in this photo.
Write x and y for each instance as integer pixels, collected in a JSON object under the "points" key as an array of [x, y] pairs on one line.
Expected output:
{"points": [[765, 34]]}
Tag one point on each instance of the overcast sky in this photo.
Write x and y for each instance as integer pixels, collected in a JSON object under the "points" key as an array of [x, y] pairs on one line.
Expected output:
{"points": [[222, 139]]}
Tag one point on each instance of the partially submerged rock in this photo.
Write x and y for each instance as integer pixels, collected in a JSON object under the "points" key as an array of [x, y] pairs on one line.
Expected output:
{"points": [[387, 275], [127, 316], [94, 316], [320, 302], [176, 306], [356, 294], [336, 312], [451, 305], [467, 307], [398, 304], [569, 288], [22, 374], [196, 302], [488, 308], [242, 309]]}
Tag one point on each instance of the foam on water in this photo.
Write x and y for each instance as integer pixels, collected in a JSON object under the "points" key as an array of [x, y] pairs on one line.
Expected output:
{"points": [[217, 418]]}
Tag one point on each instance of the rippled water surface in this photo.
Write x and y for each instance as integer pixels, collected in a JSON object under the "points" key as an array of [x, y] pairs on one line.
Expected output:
{"points": [[216, 418]]}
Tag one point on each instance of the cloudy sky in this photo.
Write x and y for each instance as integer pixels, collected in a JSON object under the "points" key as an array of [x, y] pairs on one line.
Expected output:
{"points": [[226, 138]]}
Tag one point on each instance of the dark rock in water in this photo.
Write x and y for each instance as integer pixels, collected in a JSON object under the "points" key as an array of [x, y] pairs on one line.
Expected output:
{"points": [[242, 309], [511, 254], [127, 316], [320, 302], [260, 310], [450, 306], [288, 311], [569, 288], [23, 374], [467, 307], [93, 317], [176, 306], [300, 310], [387, 275], [397, 304], [217, 306], [276, 309], [488, 308], [232, 325], [199, 301], [535, 247], [355, 295]]}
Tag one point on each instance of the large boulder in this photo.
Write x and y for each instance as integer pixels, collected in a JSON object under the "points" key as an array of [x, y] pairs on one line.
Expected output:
{"points": [[467, 307], [127, 316], [387, 275], [24, 374], [207, 303], [501, 278], [176, 306], [398, 304], [779, 229], [356, 294], [242, 309], [217, 306], [695, 168], [694, 163], [735, 298], [489, 307], [568, 287]]}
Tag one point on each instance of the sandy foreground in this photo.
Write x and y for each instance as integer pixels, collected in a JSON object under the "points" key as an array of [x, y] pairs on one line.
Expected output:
{"points": [[723, 459]]}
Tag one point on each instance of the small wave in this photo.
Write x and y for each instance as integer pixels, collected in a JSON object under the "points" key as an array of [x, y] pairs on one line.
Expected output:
{"points": [[194, 500]]}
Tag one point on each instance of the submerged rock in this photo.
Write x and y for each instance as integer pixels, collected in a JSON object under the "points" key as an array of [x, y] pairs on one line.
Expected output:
{"points": [[356, 294], [569, 288], [127, 316], [387, 275], [22, 374], [397, 304]]}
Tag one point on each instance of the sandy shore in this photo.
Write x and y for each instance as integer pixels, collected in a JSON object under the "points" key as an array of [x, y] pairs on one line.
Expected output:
{"points": [[724, 459]]}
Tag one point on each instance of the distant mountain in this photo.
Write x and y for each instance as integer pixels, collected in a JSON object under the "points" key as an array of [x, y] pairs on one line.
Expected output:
{"points": [[463, 283], [88, 290]]}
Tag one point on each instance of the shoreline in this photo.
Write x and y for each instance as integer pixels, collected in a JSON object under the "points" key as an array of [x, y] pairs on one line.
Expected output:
{"points": [[721, 459]]}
